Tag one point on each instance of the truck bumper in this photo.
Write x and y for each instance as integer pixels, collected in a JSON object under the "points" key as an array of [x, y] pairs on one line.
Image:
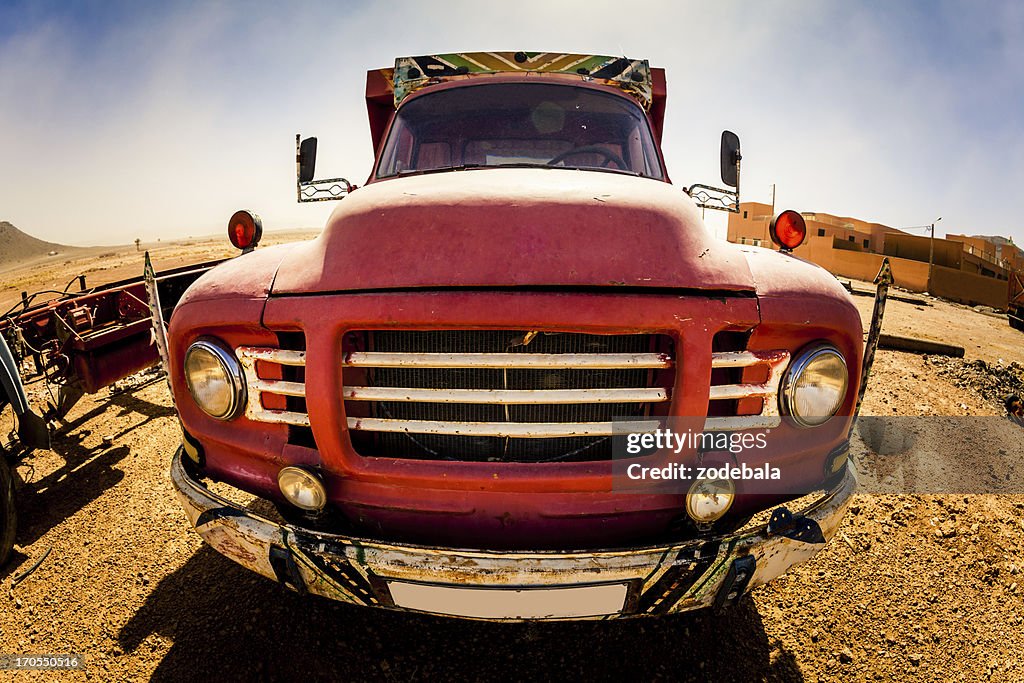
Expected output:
{"points": [[516, 585]]}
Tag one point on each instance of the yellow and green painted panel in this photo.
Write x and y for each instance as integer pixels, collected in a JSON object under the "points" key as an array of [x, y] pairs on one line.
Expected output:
{"points": [[631, 75]]}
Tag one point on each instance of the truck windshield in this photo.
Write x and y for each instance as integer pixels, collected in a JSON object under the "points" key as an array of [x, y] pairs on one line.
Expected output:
{"points": [[520, 124]]}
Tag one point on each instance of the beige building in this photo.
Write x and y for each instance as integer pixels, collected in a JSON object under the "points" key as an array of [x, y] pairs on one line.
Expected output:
{"points": [[971, 270]]}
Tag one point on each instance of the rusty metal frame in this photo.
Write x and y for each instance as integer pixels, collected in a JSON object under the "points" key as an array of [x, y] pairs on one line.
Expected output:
{"points": [[882, 282]]}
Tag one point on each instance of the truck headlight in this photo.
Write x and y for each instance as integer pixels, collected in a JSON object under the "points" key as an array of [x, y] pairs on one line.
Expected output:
{"points": [[214, 378], [302, 488], [709, 499], [814, 386]]}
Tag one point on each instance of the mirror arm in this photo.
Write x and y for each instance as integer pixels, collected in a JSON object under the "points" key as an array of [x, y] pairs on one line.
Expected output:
{"points": [[717, 198], [324, 190]]}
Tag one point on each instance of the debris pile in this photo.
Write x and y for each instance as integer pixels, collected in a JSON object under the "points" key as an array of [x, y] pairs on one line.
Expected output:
{"points": [[994, 381]]}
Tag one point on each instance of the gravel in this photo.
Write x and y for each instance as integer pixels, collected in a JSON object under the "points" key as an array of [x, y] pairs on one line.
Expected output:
{"points": [[923, 588]]}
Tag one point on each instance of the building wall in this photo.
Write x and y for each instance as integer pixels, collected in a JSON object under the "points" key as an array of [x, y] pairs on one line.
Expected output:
{"points": [[838, 244], [969, 289], [917, 248], [977, 245]]}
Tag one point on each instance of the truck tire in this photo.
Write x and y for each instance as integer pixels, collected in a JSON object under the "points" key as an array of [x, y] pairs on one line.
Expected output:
{"points": [[8, 515]]}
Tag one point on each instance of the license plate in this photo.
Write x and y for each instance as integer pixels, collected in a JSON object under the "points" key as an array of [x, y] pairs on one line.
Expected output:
{"points": [[510, 603]]}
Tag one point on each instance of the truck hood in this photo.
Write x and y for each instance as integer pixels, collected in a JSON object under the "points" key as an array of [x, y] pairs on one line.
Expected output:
{"points": [[514, 228]]}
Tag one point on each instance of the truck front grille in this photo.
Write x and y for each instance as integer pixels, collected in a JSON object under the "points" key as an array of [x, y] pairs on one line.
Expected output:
{"points": [[508, 396]]}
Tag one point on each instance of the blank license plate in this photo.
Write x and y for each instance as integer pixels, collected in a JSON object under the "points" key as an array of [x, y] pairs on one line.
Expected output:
{"points": [[510, 603]]}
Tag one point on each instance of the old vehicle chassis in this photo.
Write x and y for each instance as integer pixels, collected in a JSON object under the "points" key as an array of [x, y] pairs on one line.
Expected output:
{"points": [[76, 342]]}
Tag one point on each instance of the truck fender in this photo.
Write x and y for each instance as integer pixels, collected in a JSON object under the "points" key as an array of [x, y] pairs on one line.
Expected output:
{"points": [[32, 429]]}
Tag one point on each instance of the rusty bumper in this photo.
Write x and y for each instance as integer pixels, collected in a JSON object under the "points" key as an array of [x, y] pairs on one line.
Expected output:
{"points": [[515, 585]]}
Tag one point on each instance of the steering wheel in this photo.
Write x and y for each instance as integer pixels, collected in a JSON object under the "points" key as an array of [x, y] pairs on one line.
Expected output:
{"points": [[592, 149]]}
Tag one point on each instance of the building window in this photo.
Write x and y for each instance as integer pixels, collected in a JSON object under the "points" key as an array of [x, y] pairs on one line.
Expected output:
{"points": [[744, 215], [866, 243], [757, 243], [821, 232], [852, 238]]}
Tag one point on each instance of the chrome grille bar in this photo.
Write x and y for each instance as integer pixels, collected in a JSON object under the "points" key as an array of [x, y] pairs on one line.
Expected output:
{"points": [[768, 418], [509, 396], [737, 391], [248, 356], [519, 430], [582, 361], [279, 356], [277, 386]]}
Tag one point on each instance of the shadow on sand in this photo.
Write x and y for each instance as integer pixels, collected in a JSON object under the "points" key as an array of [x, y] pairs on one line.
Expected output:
{"points": [[227, 622], [87, 472]]}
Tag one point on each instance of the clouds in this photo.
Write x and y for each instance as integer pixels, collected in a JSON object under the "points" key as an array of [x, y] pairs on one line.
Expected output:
{"points": [[118, 123]]}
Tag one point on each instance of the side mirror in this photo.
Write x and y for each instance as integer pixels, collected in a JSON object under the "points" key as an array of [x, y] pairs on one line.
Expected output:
{"points": [[307, 159], [306, 188], [730, 158]]}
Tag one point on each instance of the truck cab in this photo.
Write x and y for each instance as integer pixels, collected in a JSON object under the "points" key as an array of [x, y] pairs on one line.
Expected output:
{"points": [[439, 392]]}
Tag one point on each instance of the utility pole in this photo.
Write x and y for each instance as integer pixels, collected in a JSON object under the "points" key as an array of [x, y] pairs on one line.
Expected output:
{"points": [[931, 253]]}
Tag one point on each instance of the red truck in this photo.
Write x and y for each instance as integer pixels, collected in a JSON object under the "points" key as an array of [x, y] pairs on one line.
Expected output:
{"points": [[431, 391]]}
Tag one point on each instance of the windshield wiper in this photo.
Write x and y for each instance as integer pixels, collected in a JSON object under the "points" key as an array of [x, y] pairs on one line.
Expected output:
{"points": [[418, 171], [518, 164]]}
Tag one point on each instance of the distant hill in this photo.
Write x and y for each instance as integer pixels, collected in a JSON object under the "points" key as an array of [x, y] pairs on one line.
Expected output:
{"points": [[995, 239], [16, 246]]}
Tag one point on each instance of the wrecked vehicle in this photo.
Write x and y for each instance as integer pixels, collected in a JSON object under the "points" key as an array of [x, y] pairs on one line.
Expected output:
{"points": [[76, 341], [428, 391]]}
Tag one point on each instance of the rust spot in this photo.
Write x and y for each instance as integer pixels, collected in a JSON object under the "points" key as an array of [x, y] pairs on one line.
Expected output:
{"points": [[232, 548], [505, 519]]}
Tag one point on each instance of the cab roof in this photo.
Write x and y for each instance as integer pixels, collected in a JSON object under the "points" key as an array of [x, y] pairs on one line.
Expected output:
{"points": [[387, 88]]}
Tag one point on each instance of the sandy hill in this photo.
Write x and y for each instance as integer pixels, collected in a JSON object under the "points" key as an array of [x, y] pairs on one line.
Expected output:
{"points": [[16, 246]]}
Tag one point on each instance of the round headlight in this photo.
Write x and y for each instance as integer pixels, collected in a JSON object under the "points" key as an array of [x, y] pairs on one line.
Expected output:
{"points": [[214, 379], [709, 499], [302, 488], [815, 386]]}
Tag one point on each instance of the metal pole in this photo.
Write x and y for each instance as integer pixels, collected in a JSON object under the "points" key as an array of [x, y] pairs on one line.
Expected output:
{"points": [[931, 253], [931, 257]]}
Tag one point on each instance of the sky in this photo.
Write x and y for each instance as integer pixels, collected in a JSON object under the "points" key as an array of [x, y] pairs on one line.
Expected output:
{"points": [[123, 120]]}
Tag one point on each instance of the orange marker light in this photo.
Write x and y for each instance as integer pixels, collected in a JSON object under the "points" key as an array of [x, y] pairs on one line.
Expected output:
{"points": [[245, 230], [788, 230]]}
